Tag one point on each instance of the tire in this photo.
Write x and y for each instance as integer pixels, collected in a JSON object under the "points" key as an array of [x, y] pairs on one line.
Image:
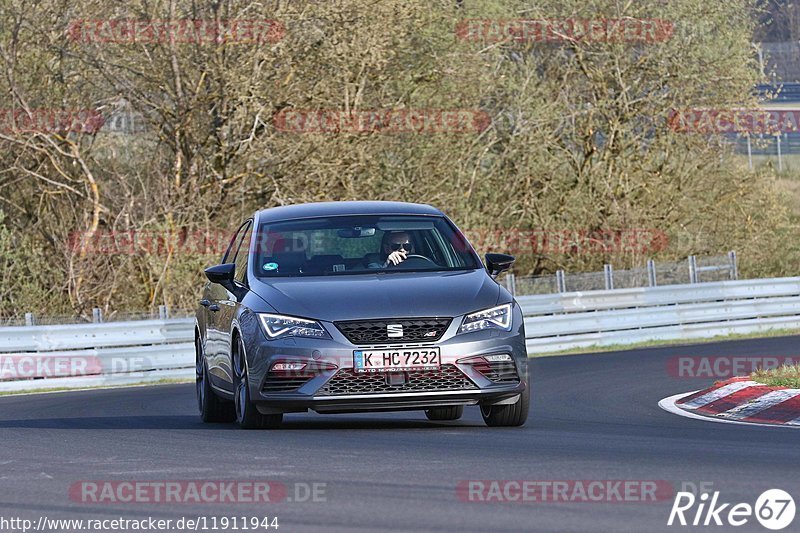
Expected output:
{"points": [[514, 414], [246, 413], [213, 409], [453, 412]]}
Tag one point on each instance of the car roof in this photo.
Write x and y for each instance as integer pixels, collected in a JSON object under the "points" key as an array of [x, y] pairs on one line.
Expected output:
{"points": [[327, 209]]}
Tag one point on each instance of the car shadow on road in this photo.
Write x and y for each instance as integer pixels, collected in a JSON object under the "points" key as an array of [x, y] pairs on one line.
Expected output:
{"points": [[349, 423], [112, 422], [173, 423]]}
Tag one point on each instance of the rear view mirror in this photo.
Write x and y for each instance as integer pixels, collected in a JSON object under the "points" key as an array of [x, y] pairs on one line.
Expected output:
{"points": [[222, 274], [355, 232], [498, 263]]}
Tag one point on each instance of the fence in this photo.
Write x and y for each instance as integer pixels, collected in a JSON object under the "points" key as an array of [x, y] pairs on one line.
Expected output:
{"points": [[572, 320], [693, 270], [779, 61], [97, 315], [761, 148]]}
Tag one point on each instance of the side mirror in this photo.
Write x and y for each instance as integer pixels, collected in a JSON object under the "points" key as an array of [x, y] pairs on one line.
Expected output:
{"points": [[498, 263], [222, 274]]}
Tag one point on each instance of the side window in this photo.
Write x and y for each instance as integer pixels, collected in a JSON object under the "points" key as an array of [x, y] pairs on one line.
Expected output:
{"points": [[243, 255], [230, 253]]}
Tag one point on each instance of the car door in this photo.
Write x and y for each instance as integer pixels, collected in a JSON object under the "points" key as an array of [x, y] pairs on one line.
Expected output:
{"points": [[217, 297], [229, 306]]}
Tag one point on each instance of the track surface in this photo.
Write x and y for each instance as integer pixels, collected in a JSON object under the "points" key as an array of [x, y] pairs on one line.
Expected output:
{"points": [[593, 417]]}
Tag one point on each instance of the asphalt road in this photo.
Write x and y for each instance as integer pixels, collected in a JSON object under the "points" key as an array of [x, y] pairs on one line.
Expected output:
{"points": [[594, 417]]}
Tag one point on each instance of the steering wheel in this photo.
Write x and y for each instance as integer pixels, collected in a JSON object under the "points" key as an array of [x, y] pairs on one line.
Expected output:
{"points": [[413, 258]]}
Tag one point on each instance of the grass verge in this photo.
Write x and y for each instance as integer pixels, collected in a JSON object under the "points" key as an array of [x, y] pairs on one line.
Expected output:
{"points": [[784, 376]]}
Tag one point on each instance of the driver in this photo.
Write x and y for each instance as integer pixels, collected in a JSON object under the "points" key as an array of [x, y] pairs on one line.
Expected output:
{"points": [[396, 246]]}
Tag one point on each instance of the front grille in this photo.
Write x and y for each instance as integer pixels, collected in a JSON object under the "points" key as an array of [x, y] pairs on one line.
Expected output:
{"points": [[376, 332], [345, 381], [495, 371], [275, 383]]}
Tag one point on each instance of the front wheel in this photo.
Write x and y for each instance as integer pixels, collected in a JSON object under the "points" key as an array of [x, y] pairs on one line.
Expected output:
{"points": [[514, 414], [247, 415], [212, 407]]}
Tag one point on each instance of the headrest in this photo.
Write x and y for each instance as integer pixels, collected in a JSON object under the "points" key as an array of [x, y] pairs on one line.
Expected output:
{"points": [[283, 245]]}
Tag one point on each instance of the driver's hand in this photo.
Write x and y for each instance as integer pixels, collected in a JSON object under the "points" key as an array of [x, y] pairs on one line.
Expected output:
{"points": [[396, 258]]}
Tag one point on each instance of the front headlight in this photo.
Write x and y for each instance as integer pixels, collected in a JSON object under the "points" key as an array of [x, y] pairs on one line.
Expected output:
{"points": [[497, 317], [278, 326]]}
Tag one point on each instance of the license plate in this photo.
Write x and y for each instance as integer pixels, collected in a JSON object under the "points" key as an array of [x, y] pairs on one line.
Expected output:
{"points": [[398, 359]]}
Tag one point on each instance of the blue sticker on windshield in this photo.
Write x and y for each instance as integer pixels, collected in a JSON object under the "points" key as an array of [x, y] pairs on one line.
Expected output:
{"points": [[270, 266]]}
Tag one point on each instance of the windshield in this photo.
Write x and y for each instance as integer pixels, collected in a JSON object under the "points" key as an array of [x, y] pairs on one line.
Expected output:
{"points": [[361, 244]]}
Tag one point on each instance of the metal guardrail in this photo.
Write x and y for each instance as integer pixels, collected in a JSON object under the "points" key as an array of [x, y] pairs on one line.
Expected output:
{"points": [[104, 335], [118, 353], [780, 92], [85, 355], [677, 312]]}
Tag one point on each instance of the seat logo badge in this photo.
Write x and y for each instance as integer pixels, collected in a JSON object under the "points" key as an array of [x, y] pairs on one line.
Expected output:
{"points": [[394, 330]]}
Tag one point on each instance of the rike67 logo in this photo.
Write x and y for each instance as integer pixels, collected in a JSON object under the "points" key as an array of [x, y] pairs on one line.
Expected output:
{"points": [[774, 509]]}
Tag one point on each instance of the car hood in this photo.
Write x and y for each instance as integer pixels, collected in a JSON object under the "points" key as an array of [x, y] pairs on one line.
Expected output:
{"points": [[380, 295]]}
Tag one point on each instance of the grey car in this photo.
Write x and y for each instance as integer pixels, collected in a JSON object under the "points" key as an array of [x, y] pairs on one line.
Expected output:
{"points": [[344, 307]]}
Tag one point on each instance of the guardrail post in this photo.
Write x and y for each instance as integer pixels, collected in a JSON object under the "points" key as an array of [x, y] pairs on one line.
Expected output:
{"points": [[30, 319], [692, 269], [511, 285], [651, 273], [163, 312], [749, 153], [561, 283], [734, 264], [97, 315], [608, 272]]}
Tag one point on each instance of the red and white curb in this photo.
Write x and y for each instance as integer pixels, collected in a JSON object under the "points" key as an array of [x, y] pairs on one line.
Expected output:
{"points": [[739, 401]]}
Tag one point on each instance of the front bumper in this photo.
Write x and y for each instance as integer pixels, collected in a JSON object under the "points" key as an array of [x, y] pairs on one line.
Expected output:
{"points": [[318, 393], [387, 402]]}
